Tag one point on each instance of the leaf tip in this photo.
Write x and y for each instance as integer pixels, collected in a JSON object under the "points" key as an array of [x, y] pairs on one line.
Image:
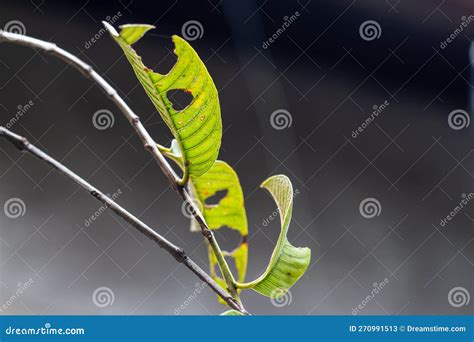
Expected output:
{"points": [[146, 27], [267, 183], [176, 38], [110, 28], [131, 33], [179, 42]]}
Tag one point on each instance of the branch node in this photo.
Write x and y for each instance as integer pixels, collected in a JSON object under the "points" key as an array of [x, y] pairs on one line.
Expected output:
{"points": [[18, 141], [207, 233], [180, 255], [50, 47], [95, 194]]}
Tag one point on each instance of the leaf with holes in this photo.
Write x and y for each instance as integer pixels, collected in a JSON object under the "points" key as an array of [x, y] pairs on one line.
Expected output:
{"points": [[198, 127], [228, 212], [287, 263]]}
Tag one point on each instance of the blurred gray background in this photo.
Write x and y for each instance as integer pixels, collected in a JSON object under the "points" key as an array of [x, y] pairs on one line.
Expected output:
{"points": [[324, 75]]}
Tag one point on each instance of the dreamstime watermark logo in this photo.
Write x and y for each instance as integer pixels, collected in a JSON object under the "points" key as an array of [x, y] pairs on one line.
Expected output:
{"points": [[186, 209], [459, 296], [377, 110], [111, 20], [21, 288], [288, 21], [103, 119], [459, 119], [103, 296], [46, 330], [465, 21], [370, 207], [14, 208], [281, 298], [192, 30], [376, 289], [15, 26], [465, 200], [90, 220], [370, 30], [21, 110], [274, 214], [191, 298], [281, 119]]}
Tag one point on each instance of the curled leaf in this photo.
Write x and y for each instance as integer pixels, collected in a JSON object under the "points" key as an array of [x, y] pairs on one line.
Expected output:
{"points": [[287, 263]]}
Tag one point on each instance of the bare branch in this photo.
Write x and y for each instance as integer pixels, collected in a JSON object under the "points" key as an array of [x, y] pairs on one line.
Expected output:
{"points": [[179, 254], [145, 137]]}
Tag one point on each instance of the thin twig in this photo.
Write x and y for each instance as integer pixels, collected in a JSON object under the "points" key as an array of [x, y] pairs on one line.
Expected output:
{"points": [[179, 254], [145, 137]]}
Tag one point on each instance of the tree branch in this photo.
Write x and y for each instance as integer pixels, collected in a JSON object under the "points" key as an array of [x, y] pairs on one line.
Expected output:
{"points": [[145, 137], [179, 254]]}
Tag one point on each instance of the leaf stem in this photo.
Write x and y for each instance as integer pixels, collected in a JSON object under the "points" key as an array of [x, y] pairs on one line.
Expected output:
{"points": [[147, 140], [183, 181], [164, 149]]}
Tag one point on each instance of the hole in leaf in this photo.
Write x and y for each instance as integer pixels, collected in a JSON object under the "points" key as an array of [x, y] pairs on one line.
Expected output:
{"points": [[160, 60], [217, 197], [229, 239], [179, 98]]}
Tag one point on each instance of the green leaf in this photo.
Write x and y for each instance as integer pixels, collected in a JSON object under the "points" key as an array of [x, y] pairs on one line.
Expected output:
{"points": [[198, 127], [240, 257], [232, 313], [287, 263], [228, 212]]}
